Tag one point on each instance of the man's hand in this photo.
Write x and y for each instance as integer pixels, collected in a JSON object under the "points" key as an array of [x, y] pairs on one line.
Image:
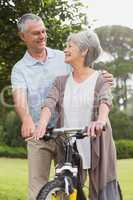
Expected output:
{"points": [[21, 107], [108, 77], [28, 127]]}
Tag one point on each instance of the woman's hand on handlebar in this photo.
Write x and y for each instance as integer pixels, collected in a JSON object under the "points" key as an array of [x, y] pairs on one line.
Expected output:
{"points": [[96, 128], [40, 131]]}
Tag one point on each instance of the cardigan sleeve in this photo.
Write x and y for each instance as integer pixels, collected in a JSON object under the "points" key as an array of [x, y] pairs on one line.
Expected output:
{"points": [[104, 94], [53, 96]]}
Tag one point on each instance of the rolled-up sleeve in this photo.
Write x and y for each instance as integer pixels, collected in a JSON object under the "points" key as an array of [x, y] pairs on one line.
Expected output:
{"points": [[105, 95]]}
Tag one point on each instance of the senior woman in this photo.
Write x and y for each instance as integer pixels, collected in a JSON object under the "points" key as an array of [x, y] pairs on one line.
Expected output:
{"points": [[83, 99]]}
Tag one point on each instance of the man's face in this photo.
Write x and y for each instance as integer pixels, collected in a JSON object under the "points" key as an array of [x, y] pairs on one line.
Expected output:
{"points": [[34, 36]]}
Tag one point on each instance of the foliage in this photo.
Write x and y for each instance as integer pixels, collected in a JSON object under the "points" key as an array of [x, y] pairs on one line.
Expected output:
{"points": [[123, 71], [117, 40], [11, 132], [13, 152], [123, 90], [122, 125], [60, 17], [1, 134], [124, 149]]}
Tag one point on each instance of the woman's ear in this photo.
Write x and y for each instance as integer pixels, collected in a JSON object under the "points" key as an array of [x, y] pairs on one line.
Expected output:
{"points": [[84, 52]]}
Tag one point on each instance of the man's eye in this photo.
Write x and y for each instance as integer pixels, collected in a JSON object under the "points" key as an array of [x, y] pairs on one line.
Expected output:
{"points": [[35, 33]]}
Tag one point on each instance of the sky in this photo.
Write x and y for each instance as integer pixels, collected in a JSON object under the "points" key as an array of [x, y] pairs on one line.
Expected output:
{"points": [[109, 12]]}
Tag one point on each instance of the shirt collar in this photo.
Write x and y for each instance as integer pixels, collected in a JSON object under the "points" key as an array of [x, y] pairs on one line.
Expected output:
{"points": [[32, 61], [50, 52]]}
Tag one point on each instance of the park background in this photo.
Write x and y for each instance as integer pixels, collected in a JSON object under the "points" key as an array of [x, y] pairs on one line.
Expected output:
{"points": [[112, 22]]}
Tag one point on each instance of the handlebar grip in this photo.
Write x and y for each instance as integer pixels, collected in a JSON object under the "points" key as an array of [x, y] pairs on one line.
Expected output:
{"points": [[52, 133], [47, 136], [104, 128]]}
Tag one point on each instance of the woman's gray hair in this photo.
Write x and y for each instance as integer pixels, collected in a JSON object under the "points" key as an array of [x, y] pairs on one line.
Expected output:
{"points": [[87, 40], [21, 23]]}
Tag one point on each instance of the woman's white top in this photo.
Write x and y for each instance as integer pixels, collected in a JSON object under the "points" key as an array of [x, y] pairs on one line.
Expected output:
{"points": [[78, 105]]}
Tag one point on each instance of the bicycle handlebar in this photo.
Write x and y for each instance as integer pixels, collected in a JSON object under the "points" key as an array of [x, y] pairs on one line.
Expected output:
{"points": [[67, 130], [53, 133]]}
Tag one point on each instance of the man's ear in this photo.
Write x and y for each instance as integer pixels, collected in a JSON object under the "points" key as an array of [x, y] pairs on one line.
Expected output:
{"points": [[21, 35]]}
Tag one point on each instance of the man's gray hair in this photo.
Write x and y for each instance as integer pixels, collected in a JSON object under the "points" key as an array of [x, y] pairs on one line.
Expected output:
{"points": [[87, 40], [22, 21]]}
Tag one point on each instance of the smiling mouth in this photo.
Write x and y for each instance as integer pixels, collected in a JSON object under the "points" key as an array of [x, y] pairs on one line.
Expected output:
{"points": [[41, 42]]}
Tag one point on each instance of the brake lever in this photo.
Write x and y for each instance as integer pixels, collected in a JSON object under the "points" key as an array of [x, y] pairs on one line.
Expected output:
{"points": [[46, 137]]}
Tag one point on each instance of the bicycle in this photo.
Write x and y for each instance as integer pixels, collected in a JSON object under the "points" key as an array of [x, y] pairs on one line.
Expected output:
{"points": [[67, 184]]}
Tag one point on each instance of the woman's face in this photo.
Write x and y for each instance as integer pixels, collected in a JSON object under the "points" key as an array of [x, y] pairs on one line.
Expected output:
{"points": [[72, 53]]}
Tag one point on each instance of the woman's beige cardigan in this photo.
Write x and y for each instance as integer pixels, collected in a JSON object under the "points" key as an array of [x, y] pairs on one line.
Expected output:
{"points": [[103, 168]]}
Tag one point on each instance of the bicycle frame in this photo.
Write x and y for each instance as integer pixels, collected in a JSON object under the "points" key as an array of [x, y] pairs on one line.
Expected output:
{"points": [[67, 184], [70, 168]]}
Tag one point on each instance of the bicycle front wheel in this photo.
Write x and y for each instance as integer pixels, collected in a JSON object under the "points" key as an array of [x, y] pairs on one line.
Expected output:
{"points": [[55, 190]]}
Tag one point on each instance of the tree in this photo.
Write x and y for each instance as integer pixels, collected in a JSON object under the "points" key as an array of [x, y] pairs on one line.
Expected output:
{"points": [[122, 125], [60, 18], [117, 40], [122, 70]]}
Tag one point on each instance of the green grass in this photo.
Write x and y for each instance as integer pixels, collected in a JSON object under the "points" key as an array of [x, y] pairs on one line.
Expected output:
{"points": [[125, 172], [13, 178]]}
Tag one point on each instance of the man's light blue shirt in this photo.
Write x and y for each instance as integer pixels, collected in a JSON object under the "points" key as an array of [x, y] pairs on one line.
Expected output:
{"points": [[36, 77]]}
